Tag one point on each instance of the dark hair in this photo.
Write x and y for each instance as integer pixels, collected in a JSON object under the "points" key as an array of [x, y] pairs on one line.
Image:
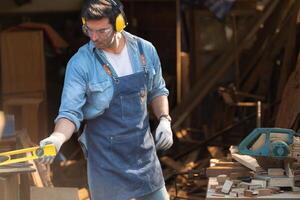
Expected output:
{"points": [[98, 9]]}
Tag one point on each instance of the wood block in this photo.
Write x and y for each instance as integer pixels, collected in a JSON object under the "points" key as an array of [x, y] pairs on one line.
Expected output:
{"points": [[236, 182], [265, 192], [233, 194], [215, 171], [297, 178], [296, 165], [237, 175], [54, 193], [275, 172], [218, 189], [248, 193], [239, 191], [247, 161], [262, 183], [296, 172], [228, 164], [9, 187], [281, 182], [213, 186], [274, 189], [222, 178], [227, 186]]}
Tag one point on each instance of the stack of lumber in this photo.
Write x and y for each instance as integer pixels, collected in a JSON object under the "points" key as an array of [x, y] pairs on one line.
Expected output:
{"points": [[244, 177], [296, 170]]}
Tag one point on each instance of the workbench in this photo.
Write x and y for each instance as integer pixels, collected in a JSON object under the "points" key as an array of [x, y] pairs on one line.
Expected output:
{"points": [[211, 195], [10, 182]]}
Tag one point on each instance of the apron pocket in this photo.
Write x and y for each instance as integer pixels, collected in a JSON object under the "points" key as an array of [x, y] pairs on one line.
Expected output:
{"points": [[132, 106], [124, 149]]}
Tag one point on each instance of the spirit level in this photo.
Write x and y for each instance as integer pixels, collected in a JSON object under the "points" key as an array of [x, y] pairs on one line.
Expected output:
{"points": [[22, 155]]}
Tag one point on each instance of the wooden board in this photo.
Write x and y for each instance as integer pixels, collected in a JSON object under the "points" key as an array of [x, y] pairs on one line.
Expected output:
{"points": [[10, 181], [22, 62], [247, 161], [54, 193], [281, 196]]}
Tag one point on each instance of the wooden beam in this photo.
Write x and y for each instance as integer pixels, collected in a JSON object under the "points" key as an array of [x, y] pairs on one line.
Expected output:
{"points": [[289, 50], [178, 52]]}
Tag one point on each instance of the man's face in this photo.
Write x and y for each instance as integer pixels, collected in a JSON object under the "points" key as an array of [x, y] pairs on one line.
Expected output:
{"points": [[100, 32]]}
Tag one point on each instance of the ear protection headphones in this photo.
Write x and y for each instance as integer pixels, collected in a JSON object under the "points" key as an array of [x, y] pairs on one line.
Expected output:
{"points": [[118, 18]]}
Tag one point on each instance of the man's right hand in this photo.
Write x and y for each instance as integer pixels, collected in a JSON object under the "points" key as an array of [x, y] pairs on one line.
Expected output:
{"points": [[57, 139]]}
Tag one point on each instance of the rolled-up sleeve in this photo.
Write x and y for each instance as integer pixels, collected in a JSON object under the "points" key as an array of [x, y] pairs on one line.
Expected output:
{"points": [[74, 94], [159, 85]]}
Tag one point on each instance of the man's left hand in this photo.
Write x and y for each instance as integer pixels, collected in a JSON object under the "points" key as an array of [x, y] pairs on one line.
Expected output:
{"points": [[163, 135]]}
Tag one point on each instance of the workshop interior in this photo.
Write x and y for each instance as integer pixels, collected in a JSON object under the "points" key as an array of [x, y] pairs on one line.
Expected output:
{"points": [[232, 68]]}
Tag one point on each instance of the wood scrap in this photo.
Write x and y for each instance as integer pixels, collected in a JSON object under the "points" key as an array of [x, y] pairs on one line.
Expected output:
{"points": [[265, 192], [218, 170], [227, 186], [281, 182], [53, 193], [247, 161], [248, 193], [275, 172]]}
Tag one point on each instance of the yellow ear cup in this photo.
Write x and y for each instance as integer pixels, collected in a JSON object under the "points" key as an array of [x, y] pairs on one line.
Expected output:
{"points": [[120, 23], [83, 21]]}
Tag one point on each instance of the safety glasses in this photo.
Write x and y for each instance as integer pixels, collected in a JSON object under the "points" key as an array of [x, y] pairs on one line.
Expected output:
{"points": [[100, 32]]}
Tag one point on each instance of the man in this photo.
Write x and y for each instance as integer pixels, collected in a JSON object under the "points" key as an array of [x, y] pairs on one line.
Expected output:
{"points": [[109, 82]]}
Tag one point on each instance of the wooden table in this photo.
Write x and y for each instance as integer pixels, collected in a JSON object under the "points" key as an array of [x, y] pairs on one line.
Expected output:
{"points": [[10, 182], [211, 195]]}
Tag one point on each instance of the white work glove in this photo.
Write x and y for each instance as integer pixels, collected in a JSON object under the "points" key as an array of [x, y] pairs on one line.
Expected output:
{"points": [[163, 135], [57, 139]]}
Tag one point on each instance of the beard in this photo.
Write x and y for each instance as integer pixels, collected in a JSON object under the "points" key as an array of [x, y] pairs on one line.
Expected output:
{"points": [[105, 43]]}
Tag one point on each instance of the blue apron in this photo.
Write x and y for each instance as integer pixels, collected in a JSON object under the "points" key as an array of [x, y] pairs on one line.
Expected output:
{"points": [[122, 161]]}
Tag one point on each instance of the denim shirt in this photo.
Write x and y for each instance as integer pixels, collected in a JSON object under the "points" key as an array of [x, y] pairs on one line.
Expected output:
{"points": [[88, 89]]}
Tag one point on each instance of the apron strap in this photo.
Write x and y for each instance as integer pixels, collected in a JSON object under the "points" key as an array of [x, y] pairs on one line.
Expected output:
{"points": [[142, 55], [103, 64]]}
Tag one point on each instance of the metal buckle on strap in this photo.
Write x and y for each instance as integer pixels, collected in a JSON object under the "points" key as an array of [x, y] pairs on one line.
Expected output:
{"points": [[107, 69]]}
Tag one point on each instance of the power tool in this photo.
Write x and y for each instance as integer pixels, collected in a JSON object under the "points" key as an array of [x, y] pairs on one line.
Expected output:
{"points": [[278, 143]]}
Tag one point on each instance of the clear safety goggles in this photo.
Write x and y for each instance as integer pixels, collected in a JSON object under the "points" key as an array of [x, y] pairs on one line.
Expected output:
{"points": [[100, 32]]}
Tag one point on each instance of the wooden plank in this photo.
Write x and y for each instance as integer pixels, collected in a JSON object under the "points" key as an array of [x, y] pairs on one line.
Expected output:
{"points": [[247, 161], [289, 49], [275, 172], [215, 171], [53, 193], [178, 53], [274, 44], [9, 170], [9, 187], [23, 62]]}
